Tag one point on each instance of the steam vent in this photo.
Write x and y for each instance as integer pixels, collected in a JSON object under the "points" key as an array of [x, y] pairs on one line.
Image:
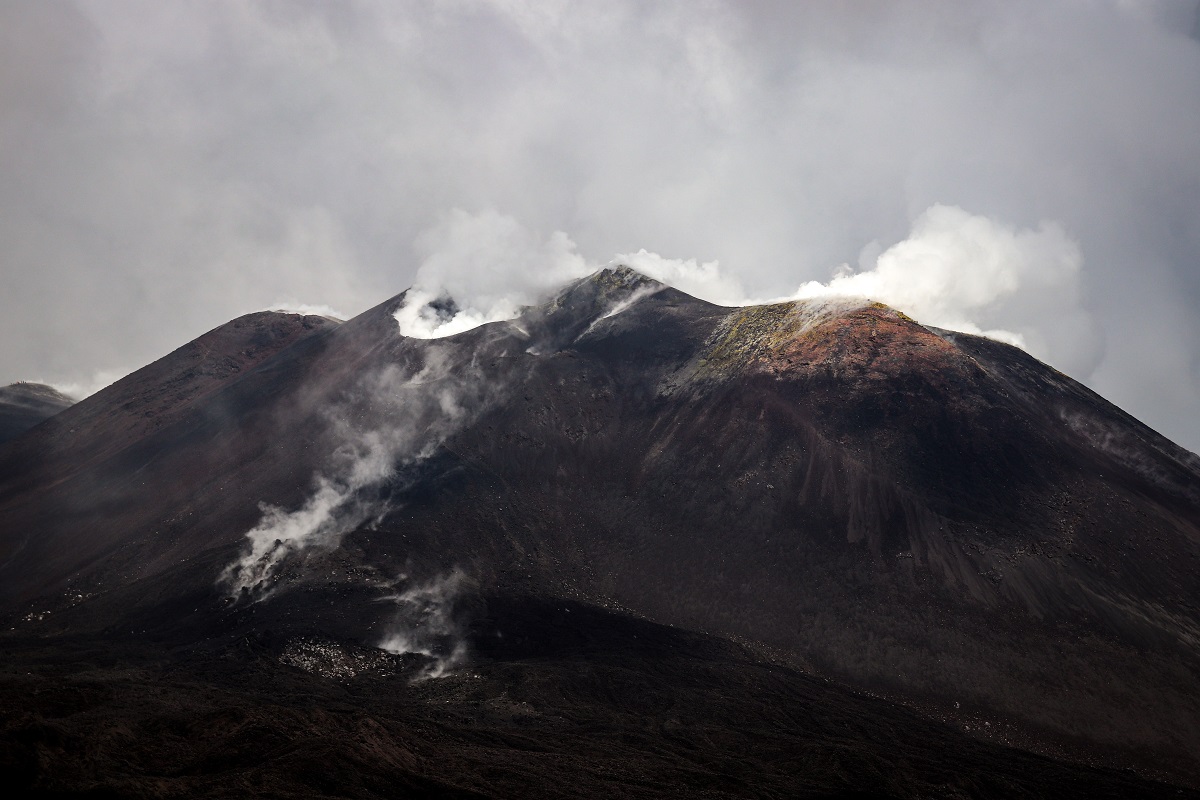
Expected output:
{"points": [[626, 544]]}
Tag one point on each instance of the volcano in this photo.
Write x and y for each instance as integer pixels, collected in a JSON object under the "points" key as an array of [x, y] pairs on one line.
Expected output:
{"points": [[628, 543]]}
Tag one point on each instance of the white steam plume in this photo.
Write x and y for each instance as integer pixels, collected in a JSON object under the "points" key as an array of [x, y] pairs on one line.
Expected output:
{"points": [[956, 270], [422, 409], [490, 265], [425, 624], [973, 274]]}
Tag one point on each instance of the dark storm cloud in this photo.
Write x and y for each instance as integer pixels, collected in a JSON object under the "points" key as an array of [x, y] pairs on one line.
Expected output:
{"points": [[164, 167]]}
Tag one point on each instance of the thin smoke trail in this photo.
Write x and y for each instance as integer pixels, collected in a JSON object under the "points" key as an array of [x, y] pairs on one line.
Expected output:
{"points": [[421, 410], [425, 624]]}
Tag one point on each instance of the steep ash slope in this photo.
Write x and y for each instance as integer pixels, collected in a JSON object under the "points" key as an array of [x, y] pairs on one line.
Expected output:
{"points": [[861, 492], [23, 405], [80, 487], [153, 397], [923, 515]]}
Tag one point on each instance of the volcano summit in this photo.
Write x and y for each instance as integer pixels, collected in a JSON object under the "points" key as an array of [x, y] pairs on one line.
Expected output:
{"points": [[628, 543]]}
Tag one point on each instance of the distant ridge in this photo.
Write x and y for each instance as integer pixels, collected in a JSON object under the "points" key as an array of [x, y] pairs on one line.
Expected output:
{"points": [[23, 405]]}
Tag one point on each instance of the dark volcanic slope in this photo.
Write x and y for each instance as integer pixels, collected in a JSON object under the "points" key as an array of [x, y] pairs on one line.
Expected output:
{"points": [[77, 487], [23, 405], [157, 395], [931, 517]]}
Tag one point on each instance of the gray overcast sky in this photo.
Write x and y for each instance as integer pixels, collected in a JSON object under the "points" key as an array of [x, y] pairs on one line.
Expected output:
{"points": [[165, 167]]}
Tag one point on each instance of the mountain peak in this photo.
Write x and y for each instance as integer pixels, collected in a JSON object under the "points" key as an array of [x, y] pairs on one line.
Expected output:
{"points": [[623, 275], [936, 517], [611, 284]]}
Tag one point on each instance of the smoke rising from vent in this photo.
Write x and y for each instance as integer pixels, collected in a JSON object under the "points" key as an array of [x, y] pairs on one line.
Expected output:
{"points": [[425, 624], [490, 265], [973, 274], [955, 270], [421, 409]]}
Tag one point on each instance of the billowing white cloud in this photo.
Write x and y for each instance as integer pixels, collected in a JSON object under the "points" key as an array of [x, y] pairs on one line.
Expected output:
{"points": [[490, 265], [973, 274]]}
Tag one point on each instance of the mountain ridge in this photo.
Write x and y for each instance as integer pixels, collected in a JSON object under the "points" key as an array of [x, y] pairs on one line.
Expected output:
{"points": [[904, 510]]}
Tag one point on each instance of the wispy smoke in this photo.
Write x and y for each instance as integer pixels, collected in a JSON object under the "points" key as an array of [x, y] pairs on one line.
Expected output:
{"points": [[635, 297], [425, 624], [621, 306], [88, 386], [422, 409], [490, 265], [307, 309], [699, 279]]}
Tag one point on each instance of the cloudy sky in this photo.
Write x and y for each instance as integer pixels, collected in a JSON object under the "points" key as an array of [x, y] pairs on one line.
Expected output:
{"points": [[1029, 169]]}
